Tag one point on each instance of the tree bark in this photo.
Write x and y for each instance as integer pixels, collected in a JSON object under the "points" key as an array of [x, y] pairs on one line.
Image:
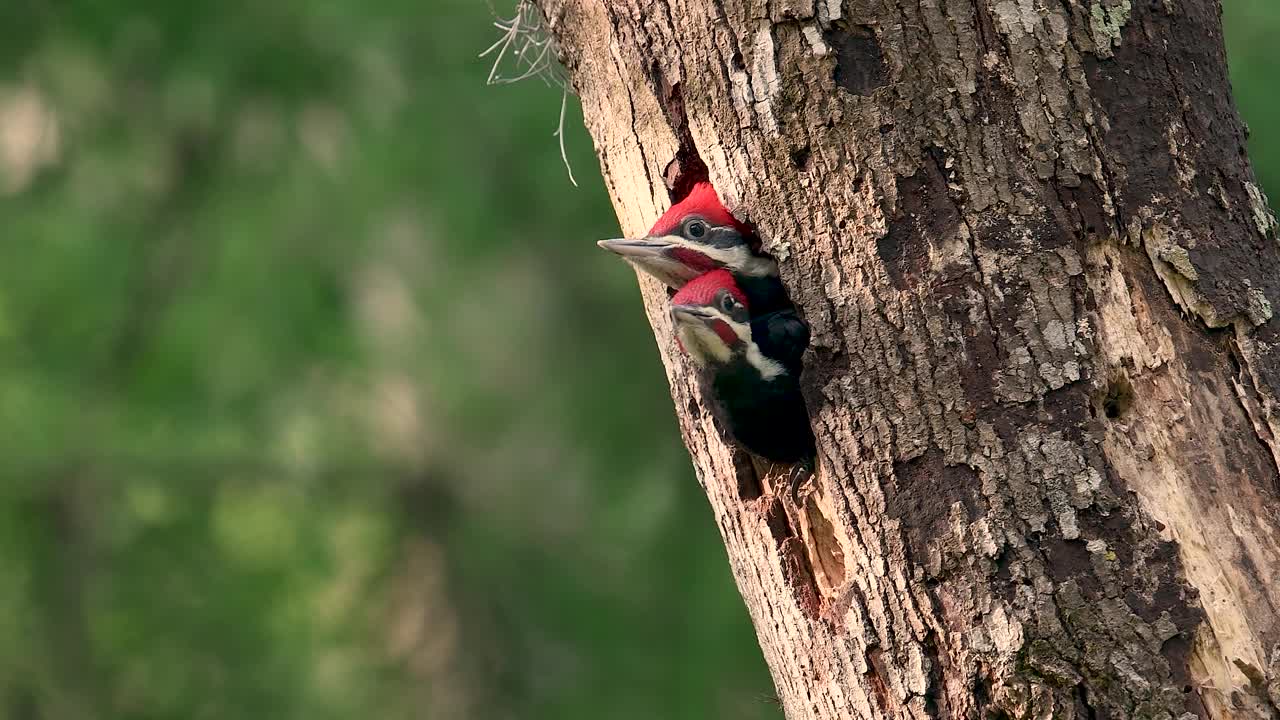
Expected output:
{"points": [[1045, 370]]}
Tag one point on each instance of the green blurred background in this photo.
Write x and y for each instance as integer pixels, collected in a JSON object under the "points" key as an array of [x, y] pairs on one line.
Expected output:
{"points": [[318, 400]]}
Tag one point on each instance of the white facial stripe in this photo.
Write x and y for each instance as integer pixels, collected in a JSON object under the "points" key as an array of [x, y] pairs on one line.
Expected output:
{"points": [[725, 255], [742, 330], [769, 369], [739, 256], [706, 346]]}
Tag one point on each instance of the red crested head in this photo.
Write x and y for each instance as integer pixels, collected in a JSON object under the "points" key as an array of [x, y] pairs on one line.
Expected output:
{"points": [[704, 289], [703, 202], [695, 236], [711, 318]]}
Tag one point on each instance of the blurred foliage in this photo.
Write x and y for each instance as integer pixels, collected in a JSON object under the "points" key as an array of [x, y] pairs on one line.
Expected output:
{"points": [[1251, 27], [318, 399]]}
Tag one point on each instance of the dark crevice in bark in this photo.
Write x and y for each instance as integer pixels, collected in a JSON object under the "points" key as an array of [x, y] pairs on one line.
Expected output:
{"points": [[796, 567], [1252, 403], [860, 66], [749, 485], [935, 702], [1084, 709], [800, 158], [876, 673], [1117, 397], [686, 169]]}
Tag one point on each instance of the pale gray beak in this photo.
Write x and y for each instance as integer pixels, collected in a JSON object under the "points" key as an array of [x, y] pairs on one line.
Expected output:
{"points": [[652, 255], [637, 248], [692, 314]]}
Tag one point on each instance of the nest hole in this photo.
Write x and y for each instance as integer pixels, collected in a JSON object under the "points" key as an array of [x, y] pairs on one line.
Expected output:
{"points": [[1118, 398]]}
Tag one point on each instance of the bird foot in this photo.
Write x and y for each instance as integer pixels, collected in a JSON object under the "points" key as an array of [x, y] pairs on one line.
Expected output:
{"points": [[800, 482]]}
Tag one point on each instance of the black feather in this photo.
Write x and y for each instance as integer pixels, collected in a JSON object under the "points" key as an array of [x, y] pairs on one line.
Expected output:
{"points": [[764, 294], [765, 416], [782, 336]]}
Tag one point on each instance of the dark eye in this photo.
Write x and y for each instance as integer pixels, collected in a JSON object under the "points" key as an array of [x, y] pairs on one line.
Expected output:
{"points": [[695, 229], [728, 304]]}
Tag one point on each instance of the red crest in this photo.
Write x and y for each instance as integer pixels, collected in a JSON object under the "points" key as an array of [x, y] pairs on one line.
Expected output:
{"points": [[703, 289], [703, 201]]}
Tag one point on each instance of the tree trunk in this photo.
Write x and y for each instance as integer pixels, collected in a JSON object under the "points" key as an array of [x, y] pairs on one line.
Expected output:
{"points": [[1045, 373]]}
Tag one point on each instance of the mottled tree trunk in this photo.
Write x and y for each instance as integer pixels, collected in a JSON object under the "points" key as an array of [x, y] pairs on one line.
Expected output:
{"points": [[1045, 371]]}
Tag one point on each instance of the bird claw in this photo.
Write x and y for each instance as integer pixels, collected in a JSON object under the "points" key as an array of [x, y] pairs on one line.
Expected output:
{"points": [[800, 485]]}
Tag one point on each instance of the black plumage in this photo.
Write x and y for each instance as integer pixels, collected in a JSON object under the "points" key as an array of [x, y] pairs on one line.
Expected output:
{"points": [[765, 293], [782, 336], [767, 417]]}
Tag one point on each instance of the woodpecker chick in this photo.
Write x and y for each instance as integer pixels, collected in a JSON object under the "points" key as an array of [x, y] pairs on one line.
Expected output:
{"points": [[749, 368], [697, 235]]}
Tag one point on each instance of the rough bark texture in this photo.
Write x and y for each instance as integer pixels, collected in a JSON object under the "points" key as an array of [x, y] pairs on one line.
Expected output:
{"points": [[1045, 371]]}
